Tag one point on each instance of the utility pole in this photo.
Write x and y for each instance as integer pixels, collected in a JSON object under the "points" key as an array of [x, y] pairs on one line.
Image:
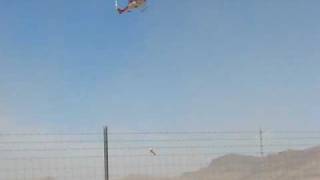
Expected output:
{"points": [[106, 154]]}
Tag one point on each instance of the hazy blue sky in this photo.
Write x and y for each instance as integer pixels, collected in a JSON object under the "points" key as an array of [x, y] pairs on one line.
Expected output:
{"points": [[181, 65]]}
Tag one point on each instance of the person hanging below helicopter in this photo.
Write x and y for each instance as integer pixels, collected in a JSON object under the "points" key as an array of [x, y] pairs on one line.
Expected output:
{"points": [[132, 4]]}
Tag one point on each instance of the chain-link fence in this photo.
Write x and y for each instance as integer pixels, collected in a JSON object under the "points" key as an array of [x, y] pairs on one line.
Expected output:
{"points": [[211, 155], [60, 156]]}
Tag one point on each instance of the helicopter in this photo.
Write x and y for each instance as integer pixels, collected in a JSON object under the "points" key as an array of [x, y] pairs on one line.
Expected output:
{"points": [[132, 5]]}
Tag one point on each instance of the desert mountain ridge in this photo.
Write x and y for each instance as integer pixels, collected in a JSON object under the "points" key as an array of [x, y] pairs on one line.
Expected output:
{"points": [[286, 165]]}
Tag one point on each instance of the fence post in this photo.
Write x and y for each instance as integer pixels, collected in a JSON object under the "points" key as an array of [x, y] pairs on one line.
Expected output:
{"points": [[106, 153], [261, 143], [261, 153]]}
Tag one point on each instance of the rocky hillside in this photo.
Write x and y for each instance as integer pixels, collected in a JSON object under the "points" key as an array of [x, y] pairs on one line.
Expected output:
{"points": [[288, 165]]}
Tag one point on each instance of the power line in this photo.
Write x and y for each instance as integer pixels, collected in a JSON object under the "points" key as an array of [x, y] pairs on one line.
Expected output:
{"points": [[50, 134], [181, 132]]}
